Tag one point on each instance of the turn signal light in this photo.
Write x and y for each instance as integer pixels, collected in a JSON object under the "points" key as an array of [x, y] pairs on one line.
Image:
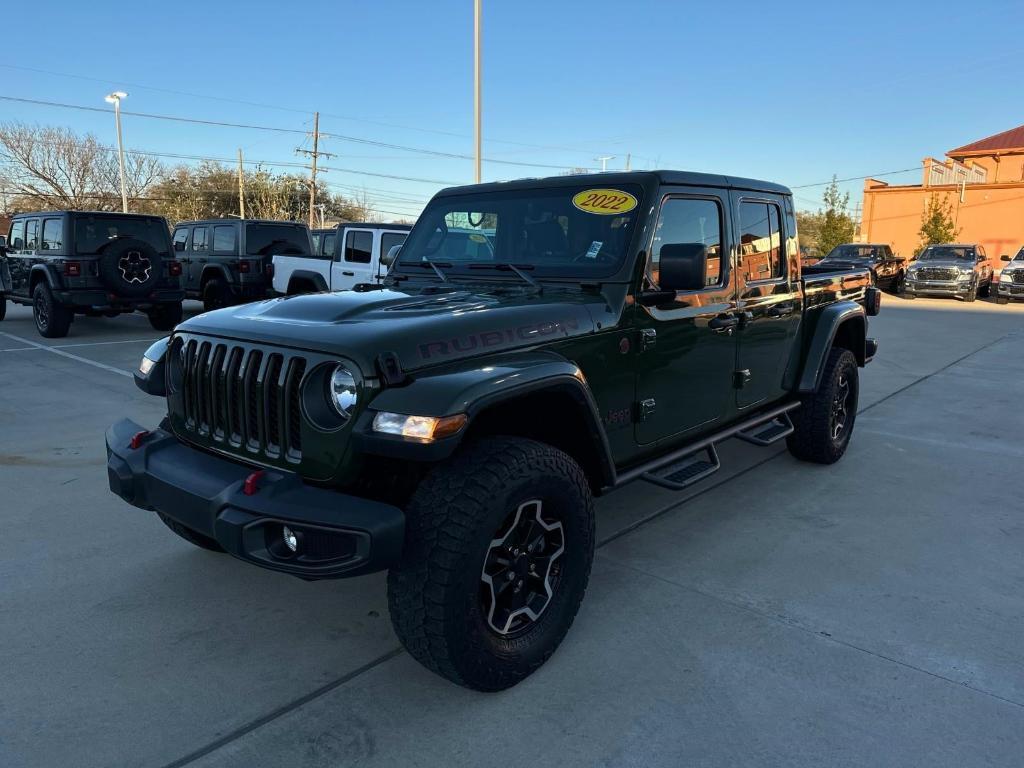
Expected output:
{"points": [[243, 266], [424, 429], [174, 268], [269, 270], [72, 269]]}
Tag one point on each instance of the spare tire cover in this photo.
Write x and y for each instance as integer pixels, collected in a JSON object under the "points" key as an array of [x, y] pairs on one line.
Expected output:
{"points": [[130, 267]]}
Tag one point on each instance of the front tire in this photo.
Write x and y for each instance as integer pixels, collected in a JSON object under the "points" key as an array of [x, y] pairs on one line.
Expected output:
{"points": [[824, 423], [1002, 300], [498, 548], [972, 294], [53, 319], [985, 291]]}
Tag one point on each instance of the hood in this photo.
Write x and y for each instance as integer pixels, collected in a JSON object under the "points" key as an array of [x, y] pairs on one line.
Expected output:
{"points": [[422, 326], [943, 264]]}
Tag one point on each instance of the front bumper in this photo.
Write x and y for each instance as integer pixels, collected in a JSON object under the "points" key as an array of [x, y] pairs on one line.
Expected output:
{"points": [[938, 287], [1010, 290], [341, 535]]}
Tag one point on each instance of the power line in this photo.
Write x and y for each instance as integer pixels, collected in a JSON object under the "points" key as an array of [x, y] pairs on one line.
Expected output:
{"points": [[851, 178]]}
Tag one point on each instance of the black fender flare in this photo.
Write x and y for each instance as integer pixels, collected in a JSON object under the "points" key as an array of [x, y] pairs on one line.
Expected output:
{"points": [[48, 274], [831, 319], [307, 274], [219, 269], [473, 387]]}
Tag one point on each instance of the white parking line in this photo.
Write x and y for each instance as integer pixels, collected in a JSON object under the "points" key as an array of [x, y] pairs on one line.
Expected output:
{"points": [[68, 355], [84, 344]]}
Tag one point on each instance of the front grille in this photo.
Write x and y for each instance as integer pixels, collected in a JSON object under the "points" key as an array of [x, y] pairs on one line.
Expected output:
{"points": [[1018, 275], [242, 399], [937, 273]]}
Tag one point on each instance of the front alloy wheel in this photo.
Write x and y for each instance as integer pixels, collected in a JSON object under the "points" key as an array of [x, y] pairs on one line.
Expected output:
{"points": [[521, 570], [840, 402], [499, 541]]}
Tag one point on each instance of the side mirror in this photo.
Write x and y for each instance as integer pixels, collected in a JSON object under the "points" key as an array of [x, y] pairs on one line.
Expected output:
{"points": [[683, 267], [179, 245], [389, 258], [1004, 257]]}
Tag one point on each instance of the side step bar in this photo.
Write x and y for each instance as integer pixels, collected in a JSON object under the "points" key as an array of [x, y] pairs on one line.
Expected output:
{"points": [[684, 466]]}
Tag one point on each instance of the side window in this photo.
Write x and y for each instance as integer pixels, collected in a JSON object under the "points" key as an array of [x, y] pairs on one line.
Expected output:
{"points": [[53, 234], [689, 242], [330, 242], [199, 239], [31, 234], [358, 247], [224, 239], [180, 239], [17, 238], [759, 241], [389, 240]]}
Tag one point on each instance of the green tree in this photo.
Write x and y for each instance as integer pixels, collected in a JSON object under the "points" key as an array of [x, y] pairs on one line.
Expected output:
{"points": [[936, 223], [836, 224], [808, 224]]}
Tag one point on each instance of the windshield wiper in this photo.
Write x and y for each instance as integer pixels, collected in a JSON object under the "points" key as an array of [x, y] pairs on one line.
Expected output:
{"points": [[434, 265], [504, 266]]}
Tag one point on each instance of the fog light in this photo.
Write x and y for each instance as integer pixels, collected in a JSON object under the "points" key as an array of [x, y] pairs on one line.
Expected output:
{"points": [[290, 539]]}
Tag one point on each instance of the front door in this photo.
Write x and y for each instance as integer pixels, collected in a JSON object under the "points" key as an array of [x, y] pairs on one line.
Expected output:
{"points": [[688, 341], [181, 253], [353, 261], [20, 258], [769, 304]]}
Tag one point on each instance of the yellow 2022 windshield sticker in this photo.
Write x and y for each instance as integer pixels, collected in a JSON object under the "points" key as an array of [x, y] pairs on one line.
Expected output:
{"points": [[605, 202]]}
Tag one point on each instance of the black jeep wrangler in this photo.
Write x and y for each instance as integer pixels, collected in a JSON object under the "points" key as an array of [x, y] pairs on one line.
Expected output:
{"points": [[65, 263], [454, 425], [231, 261]]}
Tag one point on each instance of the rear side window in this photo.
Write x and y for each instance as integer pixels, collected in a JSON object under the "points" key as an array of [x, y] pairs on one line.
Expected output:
{"points": [[180, 239], [199, 238], [224, 239], [760, 238], [53, 234], [358, 247], [17, 238], [686, 223], [330, 243], [31, 234]]}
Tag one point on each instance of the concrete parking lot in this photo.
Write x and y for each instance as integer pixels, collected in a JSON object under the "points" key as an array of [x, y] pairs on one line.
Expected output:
{"points": [[869, 613]]}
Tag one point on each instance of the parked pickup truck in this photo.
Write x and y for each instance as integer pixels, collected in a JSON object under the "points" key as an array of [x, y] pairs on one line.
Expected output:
{"points": [[344, 258], [454, 424]]}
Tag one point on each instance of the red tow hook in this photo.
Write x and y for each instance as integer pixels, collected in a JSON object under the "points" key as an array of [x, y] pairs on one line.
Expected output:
{"points": [[137, 439], [251, 484]]}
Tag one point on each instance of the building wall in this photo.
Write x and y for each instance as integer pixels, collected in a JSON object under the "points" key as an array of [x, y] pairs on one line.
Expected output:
{"points": [[1010, 168], [991, 214]]}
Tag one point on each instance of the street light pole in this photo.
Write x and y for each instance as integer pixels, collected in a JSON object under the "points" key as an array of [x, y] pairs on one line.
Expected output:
{"points": [[477, 14], [115, 99]]}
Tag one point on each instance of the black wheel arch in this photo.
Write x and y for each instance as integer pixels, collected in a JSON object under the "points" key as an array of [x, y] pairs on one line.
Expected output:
{"points": [[211, 271], [843, 324], [309, 277], [40, 272]]}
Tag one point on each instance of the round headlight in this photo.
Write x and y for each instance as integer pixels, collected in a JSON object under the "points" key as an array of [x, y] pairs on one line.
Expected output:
{"points": [[341, 391]]}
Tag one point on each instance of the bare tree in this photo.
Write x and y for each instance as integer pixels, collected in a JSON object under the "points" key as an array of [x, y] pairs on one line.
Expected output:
{"points": [[51, 167]]}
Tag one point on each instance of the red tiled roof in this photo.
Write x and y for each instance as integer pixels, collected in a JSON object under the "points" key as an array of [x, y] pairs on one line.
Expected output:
{"points": [[1011, 139]]}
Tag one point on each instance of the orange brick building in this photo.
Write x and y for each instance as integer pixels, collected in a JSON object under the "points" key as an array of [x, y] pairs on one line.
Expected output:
{"points": [[983, 183]]}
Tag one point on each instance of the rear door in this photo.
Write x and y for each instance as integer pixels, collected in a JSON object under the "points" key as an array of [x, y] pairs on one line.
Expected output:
{"points": [[686, 354], [198, 254], [769, 303], [353, 261]]}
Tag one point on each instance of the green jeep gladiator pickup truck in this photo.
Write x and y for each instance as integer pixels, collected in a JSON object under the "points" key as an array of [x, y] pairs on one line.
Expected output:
{"points": [[454, 424]]}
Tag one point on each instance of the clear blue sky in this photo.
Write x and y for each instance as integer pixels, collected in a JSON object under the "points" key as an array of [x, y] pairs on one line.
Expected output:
{"points": [[791, 92]]}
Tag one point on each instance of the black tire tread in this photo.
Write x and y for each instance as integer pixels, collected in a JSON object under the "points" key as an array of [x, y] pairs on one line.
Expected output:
{"points": [[60, 316], [811, 440], [440, 524]]}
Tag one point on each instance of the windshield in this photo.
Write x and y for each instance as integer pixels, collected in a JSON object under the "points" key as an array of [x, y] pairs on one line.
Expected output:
{"points": [[565, 231], [284, 239], [947, 253], [852, 252], [94, 232], [1019, 256]]}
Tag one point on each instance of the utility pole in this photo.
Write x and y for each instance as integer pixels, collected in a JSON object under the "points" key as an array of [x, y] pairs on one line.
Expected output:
{"points": [[603, 160], [241, 186], [629, 155], [477, 18], [314, 154], [115, 99]]}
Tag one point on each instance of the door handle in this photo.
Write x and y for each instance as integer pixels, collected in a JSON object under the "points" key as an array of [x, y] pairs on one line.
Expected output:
{"points": [[780, 311], [723, 324], [349, 274], [202, 261]]}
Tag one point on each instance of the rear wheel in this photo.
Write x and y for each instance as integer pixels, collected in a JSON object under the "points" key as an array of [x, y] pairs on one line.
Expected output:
{"points": [[899, 284], [53, 319], [192, 537], [163, 317], [985, 291], [3, 307], [824, 423], [215, 294], [498, 548]]}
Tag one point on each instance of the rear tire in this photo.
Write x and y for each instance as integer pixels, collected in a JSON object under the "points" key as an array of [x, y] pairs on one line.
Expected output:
{"points": [[215, 294], [192, 537], [1002, 300], [985, 291], [499, 543], [972, 294], [164, 317], [53, 319], [824, 422], [3, 307]]}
